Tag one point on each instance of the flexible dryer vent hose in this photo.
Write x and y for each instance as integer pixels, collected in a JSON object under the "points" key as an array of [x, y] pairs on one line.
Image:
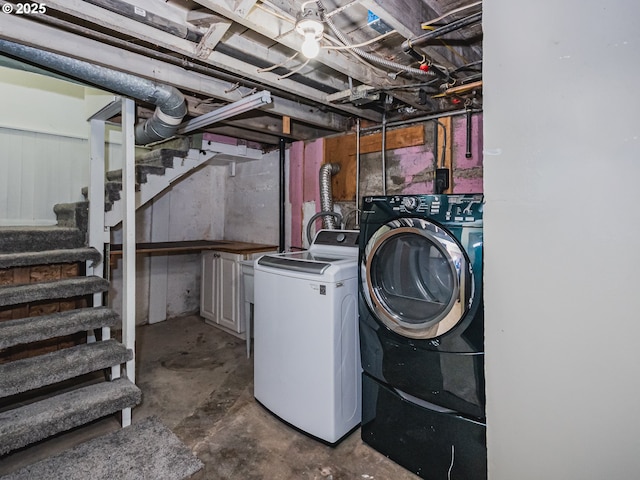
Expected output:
{"points": [[326, 199]]}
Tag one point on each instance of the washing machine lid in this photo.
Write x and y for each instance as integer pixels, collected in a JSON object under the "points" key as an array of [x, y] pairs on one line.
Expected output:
{"points": [[416, 278], [305, 262]]}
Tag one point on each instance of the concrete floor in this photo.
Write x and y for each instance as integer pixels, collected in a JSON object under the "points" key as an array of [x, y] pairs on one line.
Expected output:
{"points": [[199, 382]]}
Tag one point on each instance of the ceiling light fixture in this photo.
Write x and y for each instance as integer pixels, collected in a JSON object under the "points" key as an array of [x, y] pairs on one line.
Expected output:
{"points": [[231, 110], [309, 25]]}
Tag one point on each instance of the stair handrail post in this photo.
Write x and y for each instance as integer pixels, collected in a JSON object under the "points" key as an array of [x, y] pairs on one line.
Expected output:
{"points": [[99, 235], [128, 242], [95, 195]]}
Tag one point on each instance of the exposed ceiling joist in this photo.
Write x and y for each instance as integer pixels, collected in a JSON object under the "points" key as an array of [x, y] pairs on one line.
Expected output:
{"points": [[282, 30], [405, 17], [185, 47], [23, 30], [219, 51]]}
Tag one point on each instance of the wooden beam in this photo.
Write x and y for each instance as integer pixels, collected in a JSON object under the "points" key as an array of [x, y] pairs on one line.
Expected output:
{"points": [[210, 39], [402, 137]]}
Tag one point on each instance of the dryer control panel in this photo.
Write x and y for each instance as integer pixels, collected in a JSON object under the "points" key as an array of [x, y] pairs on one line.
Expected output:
{"points": [[338, 238], [444, 208]]}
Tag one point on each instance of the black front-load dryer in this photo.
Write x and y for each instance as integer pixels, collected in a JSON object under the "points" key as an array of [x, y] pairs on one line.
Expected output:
{"points": [[422, 332]]}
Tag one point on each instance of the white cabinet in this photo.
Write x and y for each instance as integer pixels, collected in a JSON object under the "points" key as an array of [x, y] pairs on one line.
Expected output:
{"points": [[220, 290]]}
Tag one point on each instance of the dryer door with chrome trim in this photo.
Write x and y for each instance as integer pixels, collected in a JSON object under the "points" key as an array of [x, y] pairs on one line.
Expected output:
{"points": [[416, 278]]}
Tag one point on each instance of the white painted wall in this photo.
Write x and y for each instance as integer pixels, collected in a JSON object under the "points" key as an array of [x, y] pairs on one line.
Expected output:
{"points": [[196, 211], [38, 103], [44, 152], [38, 170], [562, 173], [252, 201]]}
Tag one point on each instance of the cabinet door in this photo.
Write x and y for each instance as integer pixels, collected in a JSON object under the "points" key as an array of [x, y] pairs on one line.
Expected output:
{"points": [[229, 277], [209, 285]]}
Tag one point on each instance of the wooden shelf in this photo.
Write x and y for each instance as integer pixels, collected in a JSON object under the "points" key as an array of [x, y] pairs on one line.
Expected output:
{"points": [[194, 246]]}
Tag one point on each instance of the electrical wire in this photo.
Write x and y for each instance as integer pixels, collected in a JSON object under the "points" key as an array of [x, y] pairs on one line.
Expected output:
{"points": [[306, 3], [282, 64], [273, 12], [372, 58], [295, 70], [456, 10], [374, 70], [411, 86], [363, 44], [453, 451], [467, 66], [342, 8]]}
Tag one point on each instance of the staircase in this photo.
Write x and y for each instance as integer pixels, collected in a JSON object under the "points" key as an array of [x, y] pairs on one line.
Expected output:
{"points": [[53, 375], [156, 170], [51, 379]]}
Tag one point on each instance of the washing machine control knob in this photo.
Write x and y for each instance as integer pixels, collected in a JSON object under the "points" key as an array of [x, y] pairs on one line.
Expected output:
{"points": [[341, 237], [410, 203]]}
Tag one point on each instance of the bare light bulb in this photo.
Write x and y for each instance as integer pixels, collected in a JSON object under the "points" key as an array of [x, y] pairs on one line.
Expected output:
{"points": [[310, 46]]}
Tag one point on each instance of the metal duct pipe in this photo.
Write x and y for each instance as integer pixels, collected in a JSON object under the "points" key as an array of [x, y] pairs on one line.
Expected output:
{"points": [[171, 104], [138, 14], [326, 200]]}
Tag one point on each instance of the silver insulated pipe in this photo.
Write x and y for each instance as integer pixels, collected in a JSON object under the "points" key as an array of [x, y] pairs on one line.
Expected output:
{"points": [[171, 106], [326, 199]]}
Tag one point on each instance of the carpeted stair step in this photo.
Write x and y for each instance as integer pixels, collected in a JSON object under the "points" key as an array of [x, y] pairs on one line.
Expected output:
{"points": [[112, 191], [33, 422], [142, 172], [33, 239], [144, 450], [64, 288], [73, 215], [48, 257], [35, 372], [35, 329], [162, 157]]}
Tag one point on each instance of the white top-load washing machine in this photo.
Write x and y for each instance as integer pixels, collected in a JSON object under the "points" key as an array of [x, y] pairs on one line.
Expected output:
{"points": [[307, 353]]}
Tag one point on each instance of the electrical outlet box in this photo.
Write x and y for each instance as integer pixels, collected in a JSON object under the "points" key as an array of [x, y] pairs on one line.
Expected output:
{"points": [[442, 179], [378, 25]]}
